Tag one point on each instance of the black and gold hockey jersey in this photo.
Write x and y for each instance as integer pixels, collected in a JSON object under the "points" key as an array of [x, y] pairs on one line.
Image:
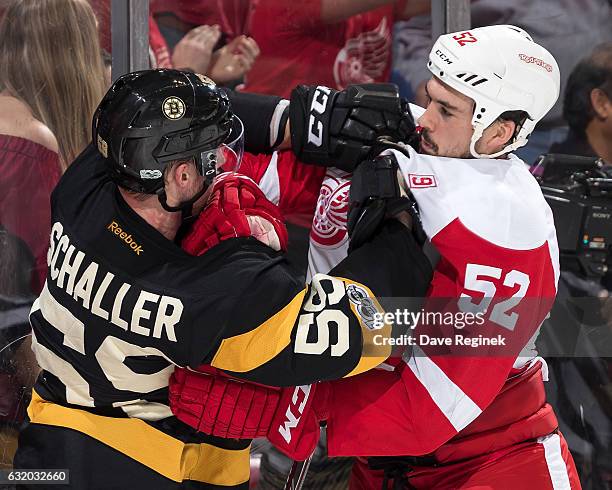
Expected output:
{"points": [[122, 306]]}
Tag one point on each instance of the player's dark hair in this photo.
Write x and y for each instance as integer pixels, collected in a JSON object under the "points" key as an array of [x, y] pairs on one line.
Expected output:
{"points": [[594, 72], [518, 118]]}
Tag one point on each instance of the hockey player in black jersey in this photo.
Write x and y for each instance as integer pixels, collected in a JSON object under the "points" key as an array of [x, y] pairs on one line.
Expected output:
{"points": [[123, 304]]}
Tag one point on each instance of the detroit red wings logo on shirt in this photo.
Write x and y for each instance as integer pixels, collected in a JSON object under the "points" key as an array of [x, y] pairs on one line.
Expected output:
{"points": [[329, 223], [364, 58]]}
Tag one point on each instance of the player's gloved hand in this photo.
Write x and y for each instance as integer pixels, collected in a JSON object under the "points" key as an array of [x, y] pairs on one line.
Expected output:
{"points": [[217, 404], [237, 207], [375, 195], [342, 128]]}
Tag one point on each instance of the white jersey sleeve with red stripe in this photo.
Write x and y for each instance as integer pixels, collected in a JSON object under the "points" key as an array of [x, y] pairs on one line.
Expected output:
{"points": [[495, 234]]}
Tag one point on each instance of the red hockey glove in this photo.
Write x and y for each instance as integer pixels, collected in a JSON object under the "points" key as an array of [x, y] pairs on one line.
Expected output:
{"points": [[217, 404], [236, 208]]}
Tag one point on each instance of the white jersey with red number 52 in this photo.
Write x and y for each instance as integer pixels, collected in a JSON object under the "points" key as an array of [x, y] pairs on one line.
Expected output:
{"points": [[496, 238], [495, 234]]}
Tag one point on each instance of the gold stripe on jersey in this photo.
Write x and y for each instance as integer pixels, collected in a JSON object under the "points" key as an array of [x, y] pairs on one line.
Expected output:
{"points": [[156, 450], [372, 354], [252, 349]]}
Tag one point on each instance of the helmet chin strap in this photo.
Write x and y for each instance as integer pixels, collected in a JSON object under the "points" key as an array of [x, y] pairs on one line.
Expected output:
{"points": [[186, 207], [209, 171], [478, 130]]}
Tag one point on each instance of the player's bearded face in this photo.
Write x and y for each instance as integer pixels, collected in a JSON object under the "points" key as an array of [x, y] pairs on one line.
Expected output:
{"points": [[447, 122]]}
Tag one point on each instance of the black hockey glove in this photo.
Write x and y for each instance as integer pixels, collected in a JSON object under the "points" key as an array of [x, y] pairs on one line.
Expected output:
{"points": [[341, 129], [376, 195]]}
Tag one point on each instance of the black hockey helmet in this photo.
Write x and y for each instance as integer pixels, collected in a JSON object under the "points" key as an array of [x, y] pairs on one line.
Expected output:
{"points": [[150, 118]]}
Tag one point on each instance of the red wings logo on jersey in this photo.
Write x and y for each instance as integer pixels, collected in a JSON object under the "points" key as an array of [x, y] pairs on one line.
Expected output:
{"points": [[329, 223], [364, 58]]}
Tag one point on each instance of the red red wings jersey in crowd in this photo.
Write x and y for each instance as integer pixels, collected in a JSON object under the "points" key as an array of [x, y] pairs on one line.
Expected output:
{"points": [[233, 17], [496, 238], [297, 47], [159, 53], [158, 48]]}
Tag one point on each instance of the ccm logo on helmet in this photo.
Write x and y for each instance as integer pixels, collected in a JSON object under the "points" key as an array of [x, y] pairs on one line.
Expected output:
{"points": [[317, 108], [532, 59], [291, 420], [420, 181], [443, 57]]}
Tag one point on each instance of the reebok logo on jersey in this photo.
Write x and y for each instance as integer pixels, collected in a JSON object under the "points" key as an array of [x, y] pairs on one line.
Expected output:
{"points": [[114, 227], [416, 181]]}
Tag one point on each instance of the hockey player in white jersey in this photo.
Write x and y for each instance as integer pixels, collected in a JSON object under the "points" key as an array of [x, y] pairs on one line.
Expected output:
{"points": [[488, 423]]}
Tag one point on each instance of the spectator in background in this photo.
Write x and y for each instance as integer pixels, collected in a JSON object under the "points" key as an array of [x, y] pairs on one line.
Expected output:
{"points": [[587, 107], [200, 47], [51, 81], [176, 17], [328, 42], [567, 28], [18, 368]]}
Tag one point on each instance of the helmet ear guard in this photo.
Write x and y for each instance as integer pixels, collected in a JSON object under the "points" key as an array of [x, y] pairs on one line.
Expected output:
{"points": [[501, 69]]}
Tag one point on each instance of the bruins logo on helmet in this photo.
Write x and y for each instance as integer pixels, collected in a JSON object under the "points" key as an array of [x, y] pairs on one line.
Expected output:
{"points": [[173, 108]]}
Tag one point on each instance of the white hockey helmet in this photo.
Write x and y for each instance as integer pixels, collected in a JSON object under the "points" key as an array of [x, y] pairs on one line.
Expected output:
{"points": [[502, 69]]}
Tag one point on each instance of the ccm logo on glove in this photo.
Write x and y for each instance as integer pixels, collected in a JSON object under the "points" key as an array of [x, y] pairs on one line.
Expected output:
{"points": [[291, 421], [317, 108]]}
